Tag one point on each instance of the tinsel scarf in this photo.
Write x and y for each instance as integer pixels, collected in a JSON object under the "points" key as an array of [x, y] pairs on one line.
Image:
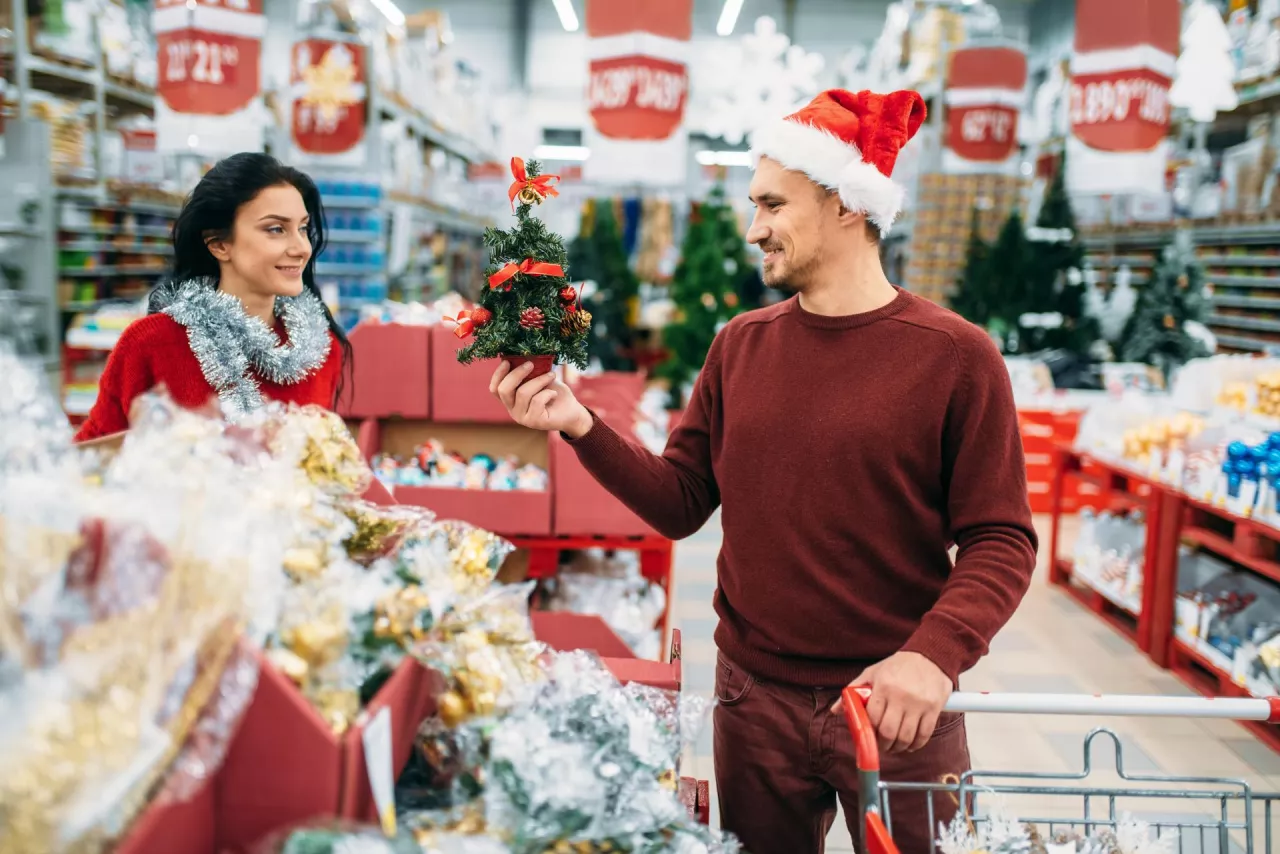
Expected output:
{"points": [[228, 343]]}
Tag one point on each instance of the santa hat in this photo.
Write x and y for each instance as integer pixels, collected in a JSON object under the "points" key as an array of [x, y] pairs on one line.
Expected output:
{"points": [[847, 142]]}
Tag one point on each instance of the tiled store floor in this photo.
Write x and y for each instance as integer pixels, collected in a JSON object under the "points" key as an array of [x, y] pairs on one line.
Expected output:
{"points": [[1051, 645]]}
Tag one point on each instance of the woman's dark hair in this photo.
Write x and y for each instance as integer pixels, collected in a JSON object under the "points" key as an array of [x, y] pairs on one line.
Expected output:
{"points": [[210, 211]]}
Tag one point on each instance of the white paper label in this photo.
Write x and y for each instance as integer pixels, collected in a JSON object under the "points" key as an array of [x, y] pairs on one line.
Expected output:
{"points": [[378, 764], [1174, 466]]}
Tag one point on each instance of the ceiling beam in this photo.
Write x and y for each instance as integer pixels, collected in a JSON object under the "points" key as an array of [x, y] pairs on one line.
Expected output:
{"points": [[522, 12]]}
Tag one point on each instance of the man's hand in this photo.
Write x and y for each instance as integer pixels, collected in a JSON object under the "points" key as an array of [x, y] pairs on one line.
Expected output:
{"points": [[908, 693], [542, 403]]}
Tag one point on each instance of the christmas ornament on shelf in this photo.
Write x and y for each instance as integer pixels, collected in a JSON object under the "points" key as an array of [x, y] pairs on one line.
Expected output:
{"points": [[521, 317], [1205, 73]]}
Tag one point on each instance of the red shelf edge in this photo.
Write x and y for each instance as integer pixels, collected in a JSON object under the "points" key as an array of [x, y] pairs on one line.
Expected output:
{"points": [[1225, 548]]}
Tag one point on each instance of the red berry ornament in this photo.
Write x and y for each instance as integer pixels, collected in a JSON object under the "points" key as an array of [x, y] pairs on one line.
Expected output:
{"points": [[533, 318], [568, 295], [480, 316]]}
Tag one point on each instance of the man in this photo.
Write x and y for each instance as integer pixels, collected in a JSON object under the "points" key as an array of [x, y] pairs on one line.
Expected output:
{"points": [[851, 434]]}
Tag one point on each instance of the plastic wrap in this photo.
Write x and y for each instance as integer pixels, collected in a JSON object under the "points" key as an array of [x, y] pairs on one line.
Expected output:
{"points": [[614, 590], [34, 433], [583, 761]]}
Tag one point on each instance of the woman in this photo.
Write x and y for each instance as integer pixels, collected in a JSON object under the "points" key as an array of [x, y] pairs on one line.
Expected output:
{"points": [[241, 317]]}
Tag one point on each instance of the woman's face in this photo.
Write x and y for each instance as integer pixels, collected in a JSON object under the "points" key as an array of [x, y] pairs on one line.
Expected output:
{"points": [[269, 245]]}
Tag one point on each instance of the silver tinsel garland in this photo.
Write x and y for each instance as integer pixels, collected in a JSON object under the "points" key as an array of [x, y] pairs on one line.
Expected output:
{"points": [[228, 343]]}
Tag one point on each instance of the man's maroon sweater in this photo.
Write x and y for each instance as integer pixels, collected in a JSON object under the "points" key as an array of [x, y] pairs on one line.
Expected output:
{"points": [[849, 454]]}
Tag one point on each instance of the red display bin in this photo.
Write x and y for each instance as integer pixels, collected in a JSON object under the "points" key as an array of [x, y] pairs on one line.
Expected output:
{"points": [[461, 392], [391, 374], [286, 767], [582, 506], [186, 826], [511, 513], [564, 631]]}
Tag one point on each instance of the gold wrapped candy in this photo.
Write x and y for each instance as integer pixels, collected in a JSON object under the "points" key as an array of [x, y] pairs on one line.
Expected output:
{"points": [[400, 615]]}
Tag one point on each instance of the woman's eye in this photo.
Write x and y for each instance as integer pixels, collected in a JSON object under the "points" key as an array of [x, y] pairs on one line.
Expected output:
{"points": [[275, 229]]}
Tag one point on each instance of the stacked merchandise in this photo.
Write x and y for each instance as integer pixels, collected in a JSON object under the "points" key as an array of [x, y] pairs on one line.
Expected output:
{"points": [[610, 586], [145, 597], [1109, 553], [72, 154], [946, 210], [433, 465]]}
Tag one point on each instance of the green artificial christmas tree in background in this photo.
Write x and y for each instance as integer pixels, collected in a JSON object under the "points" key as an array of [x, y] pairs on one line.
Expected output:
{"points": [[971, 299], [529, 309], [1167, 326], [1008, 269], [598, 256], [713, 265], [1051, 288]]}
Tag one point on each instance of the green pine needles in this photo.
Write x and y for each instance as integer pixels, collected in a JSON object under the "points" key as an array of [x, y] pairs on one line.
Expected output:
{"points": [[527, 312], [1157, 332], [705, 288]]}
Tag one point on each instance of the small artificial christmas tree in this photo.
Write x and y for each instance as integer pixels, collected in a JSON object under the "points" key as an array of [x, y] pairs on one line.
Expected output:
{"points": [[1167, 326], [713, 265], [971, 299], [529, 312], [1051, 288], [597, 255], [1008, 272]]}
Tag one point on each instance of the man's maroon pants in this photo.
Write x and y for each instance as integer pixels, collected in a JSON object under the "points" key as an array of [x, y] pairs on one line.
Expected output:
{"points": [[782, 759]]}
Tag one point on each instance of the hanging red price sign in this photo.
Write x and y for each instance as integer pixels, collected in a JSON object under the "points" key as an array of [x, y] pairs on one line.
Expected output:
{"points": [[329, 96], [209, 54], [986, 90], [637, 97], [1121, 71]]}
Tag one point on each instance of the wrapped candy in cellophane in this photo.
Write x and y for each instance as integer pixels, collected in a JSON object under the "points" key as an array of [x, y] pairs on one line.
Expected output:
{"points": [[582, 764], [124, 595]]}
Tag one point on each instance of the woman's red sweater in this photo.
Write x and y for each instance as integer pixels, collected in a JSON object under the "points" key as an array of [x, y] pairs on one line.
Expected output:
{"points": [[154, 351]]}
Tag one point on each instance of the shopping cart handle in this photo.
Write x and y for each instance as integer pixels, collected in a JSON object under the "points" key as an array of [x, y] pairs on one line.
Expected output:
{"points": [[865, 750]]}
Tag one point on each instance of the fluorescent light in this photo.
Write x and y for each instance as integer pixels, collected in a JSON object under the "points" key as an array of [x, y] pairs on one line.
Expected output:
{"points": [[390, 11], [728, 17], [568, 153], [723, 158], [568, 17]]}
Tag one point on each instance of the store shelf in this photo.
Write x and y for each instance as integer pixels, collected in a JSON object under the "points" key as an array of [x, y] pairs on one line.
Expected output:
{"points": [[111, 271], [1230, 301], [1240, 260], [121, 248], [1121, 616], [1258, 91], [1245, 281], [1256, 324], [135, 231], [1204, 674], [351, 202], [1225, 548], [1239, 342], [346, 235], [326, 268]]}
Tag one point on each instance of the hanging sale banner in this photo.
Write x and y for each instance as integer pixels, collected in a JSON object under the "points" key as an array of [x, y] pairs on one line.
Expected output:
{"points": [[209, 83], [1121, 72], [637, 88], [986, 92], [329, 101]]}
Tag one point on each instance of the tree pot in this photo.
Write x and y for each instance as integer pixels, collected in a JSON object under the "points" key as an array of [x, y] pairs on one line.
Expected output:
{"points": [[541, 364]]}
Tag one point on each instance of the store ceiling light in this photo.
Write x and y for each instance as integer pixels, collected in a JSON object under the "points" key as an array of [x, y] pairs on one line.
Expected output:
{"points": [[728, 17], [723, 158], [568, 17], [564, 153], [390, 11]]}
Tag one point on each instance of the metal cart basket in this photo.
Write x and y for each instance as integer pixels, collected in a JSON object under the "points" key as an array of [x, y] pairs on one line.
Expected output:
{"points": [[1235, 818]]}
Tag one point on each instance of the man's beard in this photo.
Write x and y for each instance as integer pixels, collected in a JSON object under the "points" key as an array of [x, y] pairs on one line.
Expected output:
{"points": [[790, 281]]}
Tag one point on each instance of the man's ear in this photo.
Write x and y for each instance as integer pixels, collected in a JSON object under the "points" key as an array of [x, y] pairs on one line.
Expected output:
{"points": [[851, 219]]}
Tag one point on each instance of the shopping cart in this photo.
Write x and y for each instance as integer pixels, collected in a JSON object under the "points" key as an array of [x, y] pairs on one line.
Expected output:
{"points": [[1228, 825]]}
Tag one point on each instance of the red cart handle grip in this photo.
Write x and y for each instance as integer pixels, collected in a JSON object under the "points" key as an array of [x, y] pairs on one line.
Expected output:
{"points": [[866, 751]]}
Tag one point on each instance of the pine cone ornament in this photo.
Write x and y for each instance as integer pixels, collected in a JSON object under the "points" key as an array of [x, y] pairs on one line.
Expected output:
{"points": [[568, 295], [533, 318], [575, 322]]}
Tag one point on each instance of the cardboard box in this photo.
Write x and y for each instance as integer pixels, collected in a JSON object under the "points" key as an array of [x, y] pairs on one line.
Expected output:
{"points": [[186, 826], [460, 393], [582, 507], [510, 513], [391, 374]]}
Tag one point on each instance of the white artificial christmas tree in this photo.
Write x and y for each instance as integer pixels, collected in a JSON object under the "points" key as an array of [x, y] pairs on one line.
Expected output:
{"points": [[771, 78], [1205, 73]]}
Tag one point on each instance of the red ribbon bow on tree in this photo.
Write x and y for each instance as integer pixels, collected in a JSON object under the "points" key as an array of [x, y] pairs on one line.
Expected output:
{"points": [[469, 320], [529, 267], [543, 185]]}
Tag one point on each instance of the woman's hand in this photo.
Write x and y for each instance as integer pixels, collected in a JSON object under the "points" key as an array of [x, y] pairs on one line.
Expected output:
{"points": [[542, 403]]}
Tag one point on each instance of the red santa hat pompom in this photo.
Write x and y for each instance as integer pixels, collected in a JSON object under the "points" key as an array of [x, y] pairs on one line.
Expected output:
{"points": [[848, 142]]}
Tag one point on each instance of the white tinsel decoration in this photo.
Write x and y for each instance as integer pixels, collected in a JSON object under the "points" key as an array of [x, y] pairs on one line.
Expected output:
{"points": [[1205, 72], [1136, 837], [1112, 310]]}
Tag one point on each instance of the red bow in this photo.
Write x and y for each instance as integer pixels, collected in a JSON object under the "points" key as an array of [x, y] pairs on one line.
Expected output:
{"points": [[542, 185], [529, 267], [466, 321]]}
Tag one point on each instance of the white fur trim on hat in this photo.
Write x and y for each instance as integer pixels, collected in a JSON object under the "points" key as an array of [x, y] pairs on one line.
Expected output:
{"points": [[834, 164]]}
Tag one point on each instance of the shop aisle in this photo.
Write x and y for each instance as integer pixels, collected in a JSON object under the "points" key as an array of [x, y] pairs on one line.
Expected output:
{"points": [[1051, 645]]}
